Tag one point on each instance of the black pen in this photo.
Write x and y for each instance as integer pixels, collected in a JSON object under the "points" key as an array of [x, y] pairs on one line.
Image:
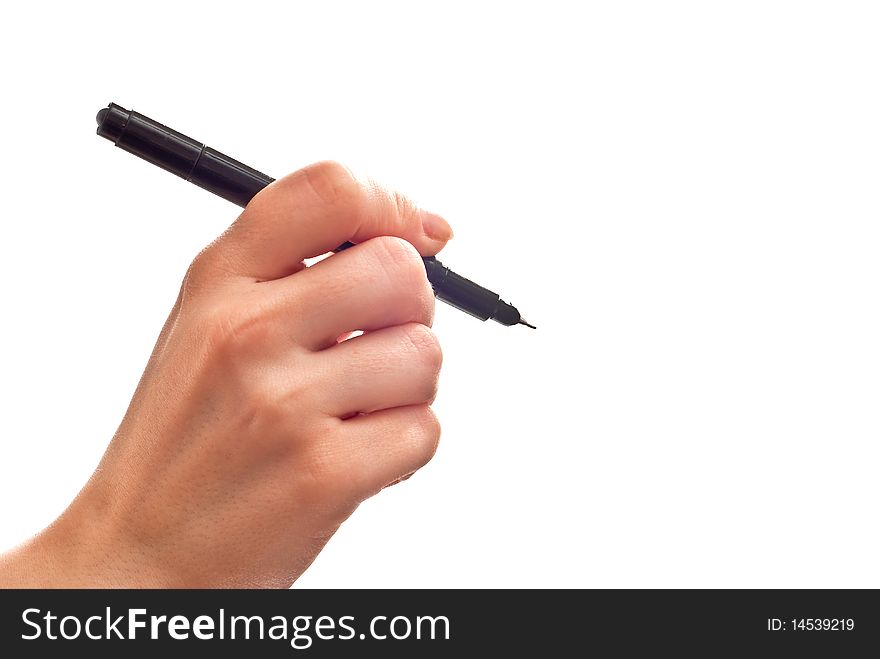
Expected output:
{"points": [[232, 180]]}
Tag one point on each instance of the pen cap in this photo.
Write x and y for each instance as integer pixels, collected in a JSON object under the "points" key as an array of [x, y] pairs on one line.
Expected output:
{"points": [[180, 155], [111, 121], [148, 139]]}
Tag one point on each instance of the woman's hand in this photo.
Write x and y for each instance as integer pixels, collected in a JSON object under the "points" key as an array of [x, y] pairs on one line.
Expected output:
{"points": [[255, 432]]}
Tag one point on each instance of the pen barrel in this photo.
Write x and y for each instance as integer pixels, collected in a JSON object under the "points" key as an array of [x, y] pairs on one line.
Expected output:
{"points": [[181, 155], [460, 292], [227, 178]]}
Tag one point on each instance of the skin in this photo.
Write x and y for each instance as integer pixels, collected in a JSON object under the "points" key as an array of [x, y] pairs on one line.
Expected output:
{"points": [[256, 430]]}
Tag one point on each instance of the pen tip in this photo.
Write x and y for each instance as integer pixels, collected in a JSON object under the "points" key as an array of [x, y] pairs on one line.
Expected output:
{"points": [[522, 321]]}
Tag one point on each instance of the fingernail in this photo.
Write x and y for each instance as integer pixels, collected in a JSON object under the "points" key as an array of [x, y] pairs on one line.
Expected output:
{"points": [[435, 227]]}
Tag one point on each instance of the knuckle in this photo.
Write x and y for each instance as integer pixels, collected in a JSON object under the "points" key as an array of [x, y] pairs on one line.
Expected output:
{"points": [[196, 274], [262, 410], [210, 268], [404, 267], [320, 469], [425, 346], [329, 181], [425, 436], [238, 328], [405, 208], [331, 475], [397, 251], [322, 183]]}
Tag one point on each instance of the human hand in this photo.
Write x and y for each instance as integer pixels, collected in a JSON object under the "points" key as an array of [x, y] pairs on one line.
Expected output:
{"points": [[254, 433]]}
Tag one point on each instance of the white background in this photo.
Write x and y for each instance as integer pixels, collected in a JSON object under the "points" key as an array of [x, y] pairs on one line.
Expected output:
{"points": [[683, 196]]}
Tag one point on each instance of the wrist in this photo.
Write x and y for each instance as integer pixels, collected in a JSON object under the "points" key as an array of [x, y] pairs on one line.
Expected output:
{"points": [[83, 548]]}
